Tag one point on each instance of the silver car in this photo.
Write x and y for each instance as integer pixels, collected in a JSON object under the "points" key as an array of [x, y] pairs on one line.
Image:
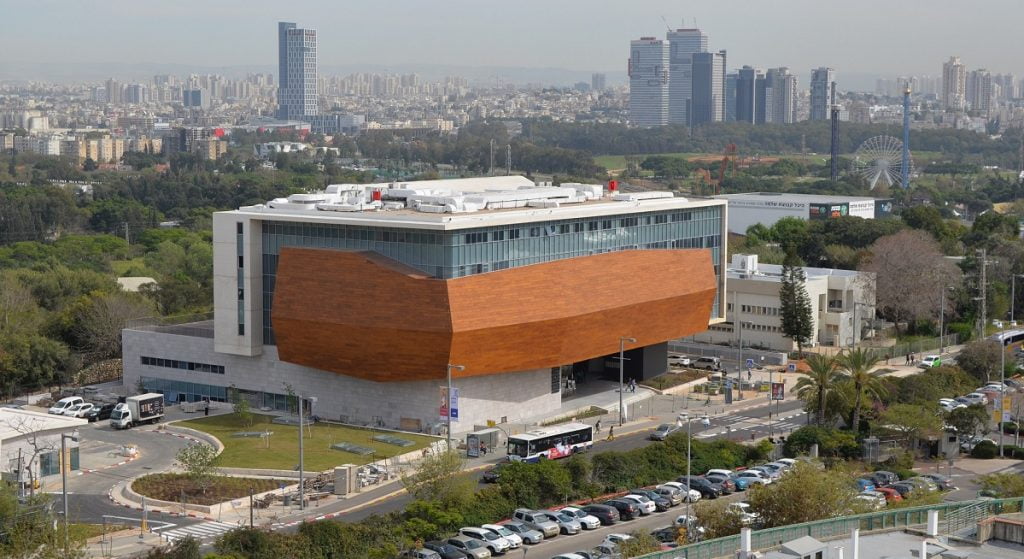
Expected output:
{"points": [[567, 523], [524, 531], [472, 547], [538, 521]]}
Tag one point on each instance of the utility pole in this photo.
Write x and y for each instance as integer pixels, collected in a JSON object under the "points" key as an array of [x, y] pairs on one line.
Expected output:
{"points": [[622, 368], [64, 464], [983, 288], [448, 404], [491, 172], [302, 484], [126, 238], [508, 160]]}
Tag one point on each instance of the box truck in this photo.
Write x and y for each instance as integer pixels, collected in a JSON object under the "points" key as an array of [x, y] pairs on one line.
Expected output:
{"points": [[144, 408]]}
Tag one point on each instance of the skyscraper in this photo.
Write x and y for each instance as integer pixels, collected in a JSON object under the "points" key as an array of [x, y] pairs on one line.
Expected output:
{"points": [[648, 82], [746, 95], [683, 44], [822, 83], [954, 84], [708, 91], [296, 92], [730, 96], [597, 82], [780, 96], [979, 91]]}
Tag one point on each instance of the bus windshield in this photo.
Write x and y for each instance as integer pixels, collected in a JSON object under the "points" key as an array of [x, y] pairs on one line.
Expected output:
{"points": [[517, 448]]}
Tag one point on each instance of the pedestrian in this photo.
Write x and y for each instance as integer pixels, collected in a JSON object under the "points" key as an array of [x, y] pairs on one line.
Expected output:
{"points": [[749, 374], [632, 385], [611, 433], [597, 426], [886, 358], [906, 361], [483, 448]]}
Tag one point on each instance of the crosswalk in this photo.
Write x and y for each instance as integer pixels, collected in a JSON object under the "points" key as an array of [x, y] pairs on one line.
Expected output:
{"points": [[201, 531], [732, 424]]}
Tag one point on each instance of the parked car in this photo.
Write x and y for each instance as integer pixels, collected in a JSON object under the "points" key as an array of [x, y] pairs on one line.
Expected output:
{"points": [[63, 404], [930, 361], [514, 540], [661, 504], [924, 484], [717, 472], [689, 495], [787, 461], [864, 485], [423, 553], [495, 543], [661, 432], [567, 523], [694, 531], [607, 514], [679, 361], [471, 547], [874, 500], [78, 410], [728, 485], [523, 530], [646, 505], [754, 476], [742, 510], [587, 521], [493, 474], [708, 363], [99, 412], [672, 494], [903, 488], [742, 483], [891, 495], [976, 398], [774, 470], [883, 478], [969, 444], [538, 521], [707, 489], [444, 549], [767, 472], [944, 483], [627, 510]]}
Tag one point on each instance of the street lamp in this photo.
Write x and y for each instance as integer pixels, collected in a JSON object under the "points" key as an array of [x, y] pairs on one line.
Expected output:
{"points": [[942, 316], [622, 362], [1013, 296], [706, 421], [448, 404]]}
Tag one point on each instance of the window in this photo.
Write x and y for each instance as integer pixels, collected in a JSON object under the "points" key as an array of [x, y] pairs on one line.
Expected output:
{"points": [[563, 228], [241, 261], [535, 231], [577, 227], [591, 226], [606, 224], [498, 236], [630, 222], [241, 329], [662, 218], [556, 380], [513, 234], [238, 228], [186, 365]]}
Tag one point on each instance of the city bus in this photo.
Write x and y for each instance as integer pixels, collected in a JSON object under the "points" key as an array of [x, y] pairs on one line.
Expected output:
{"points": [[553, 442], [1011, 339]]}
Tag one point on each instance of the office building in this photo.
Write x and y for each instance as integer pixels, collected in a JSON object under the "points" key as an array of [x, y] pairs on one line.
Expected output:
{"points": [[766, 208], [597, 82], [780, 96], [297, 83], [842, 306], [114, 93], [195, 98], [683, 44], [823, 83], [362, 295], [730, 96], [954, 84], [30, 445], [708, 92], [746, 94], [979, 91], [648, 82]]}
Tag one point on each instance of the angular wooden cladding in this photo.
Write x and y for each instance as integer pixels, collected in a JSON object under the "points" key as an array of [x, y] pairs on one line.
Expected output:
{"points": [[363, 315]]}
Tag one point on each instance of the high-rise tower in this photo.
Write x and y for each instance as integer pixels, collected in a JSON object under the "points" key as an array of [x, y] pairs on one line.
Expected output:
{"points": [[707, 99], [954, 84], [822, 81], [682, 44], [296, 92], [746, 95], [648, 82]]}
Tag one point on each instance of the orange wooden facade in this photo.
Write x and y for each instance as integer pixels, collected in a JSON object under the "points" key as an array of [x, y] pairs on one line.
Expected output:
{"points": [[363, 315]]}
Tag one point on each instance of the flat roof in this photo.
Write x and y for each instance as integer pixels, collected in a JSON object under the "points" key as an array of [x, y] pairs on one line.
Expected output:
{"points": [[756, 196], [773, 272], [15, 423]]}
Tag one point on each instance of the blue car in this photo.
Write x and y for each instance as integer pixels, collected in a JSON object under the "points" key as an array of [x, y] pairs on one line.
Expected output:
{"points": [[865, 485], [742, 483]]}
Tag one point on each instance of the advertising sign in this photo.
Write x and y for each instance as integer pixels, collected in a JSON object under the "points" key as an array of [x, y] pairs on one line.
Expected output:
{"points": [[828, 211], [449, 403], [778, 391]]}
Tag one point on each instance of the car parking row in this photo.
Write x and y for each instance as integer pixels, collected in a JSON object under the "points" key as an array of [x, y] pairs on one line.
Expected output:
{"points": [[76, 406]]}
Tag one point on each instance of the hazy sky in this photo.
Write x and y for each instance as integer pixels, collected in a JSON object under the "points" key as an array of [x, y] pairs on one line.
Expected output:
{"points": [[886, 37]]}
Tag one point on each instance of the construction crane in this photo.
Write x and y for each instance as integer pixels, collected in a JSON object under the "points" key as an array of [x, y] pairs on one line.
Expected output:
{"points": [[729, 155]]}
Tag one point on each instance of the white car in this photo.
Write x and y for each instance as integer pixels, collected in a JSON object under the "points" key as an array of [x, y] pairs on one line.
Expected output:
{"points": [[874, 499], [489, 539], [63, 404], [616, 539], [646, 505], [754, 476], [79, 410], [976, 398], [726, 473], [514, 541], [744, 512], [789, 462], [690, 495], [587, 521], [679, 361], [991, 387]]}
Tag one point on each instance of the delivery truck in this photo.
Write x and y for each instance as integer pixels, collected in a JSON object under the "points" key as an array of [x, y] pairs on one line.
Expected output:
{"points": [[135, 410]]}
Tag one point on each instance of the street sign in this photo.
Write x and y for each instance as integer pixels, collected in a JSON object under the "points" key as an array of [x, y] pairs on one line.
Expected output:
{"points": [[778, 391], [791, 367], [750, 363]]}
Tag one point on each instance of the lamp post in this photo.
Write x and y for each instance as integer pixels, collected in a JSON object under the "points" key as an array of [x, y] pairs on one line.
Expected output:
{"points": [[302, 481], [1002, 390], [448, 404], [622, 363], [1013, 296], [689, 437]]}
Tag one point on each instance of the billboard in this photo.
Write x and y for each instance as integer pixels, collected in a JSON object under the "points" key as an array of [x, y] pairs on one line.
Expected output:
{"points": [[883, 208], [778, 391], [449, 403], [827, 211]]}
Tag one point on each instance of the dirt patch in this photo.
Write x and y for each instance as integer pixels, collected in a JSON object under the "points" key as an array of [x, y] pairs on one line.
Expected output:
{"points": [[669, 380], [175, 487]]}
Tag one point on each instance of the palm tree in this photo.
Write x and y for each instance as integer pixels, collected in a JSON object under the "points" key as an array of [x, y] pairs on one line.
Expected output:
{"points": [[856, 365], [816, 384]]}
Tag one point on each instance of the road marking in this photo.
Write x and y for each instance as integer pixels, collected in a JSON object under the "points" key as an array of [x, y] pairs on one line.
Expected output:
{"points": [[201, 531]]}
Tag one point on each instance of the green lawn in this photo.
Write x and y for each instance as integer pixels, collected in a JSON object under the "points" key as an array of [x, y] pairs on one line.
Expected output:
{"points": [[283, 450]]}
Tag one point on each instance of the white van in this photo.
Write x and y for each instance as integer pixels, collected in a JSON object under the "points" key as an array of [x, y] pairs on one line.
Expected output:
{"points": [[64, 404]]}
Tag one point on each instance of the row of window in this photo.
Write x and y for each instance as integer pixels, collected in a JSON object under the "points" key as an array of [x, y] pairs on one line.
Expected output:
{"points": [[759, 310], [183, 365], [754, 327]]}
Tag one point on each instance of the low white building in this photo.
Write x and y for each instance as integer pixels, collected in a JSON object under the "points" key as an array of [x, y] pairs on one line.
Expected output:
{"points": [[842, 304], [767, 208], [267, 149], [30, 441]]}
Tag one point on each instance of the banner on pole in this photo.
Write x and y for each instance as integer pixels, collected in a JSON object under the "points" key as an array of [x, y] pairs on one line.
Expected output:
{"points": [[778, 391], [449, 404]]}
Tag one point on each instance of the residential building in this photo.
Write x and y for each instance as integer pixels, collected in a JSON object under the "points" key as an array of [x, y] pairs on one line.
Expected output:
{"points": [[648, 82], [114, 92], [746, 93], [297, 71], [842, 306], [708, 92], [362, 295], [30, 444], [195, 98], [954, 84], [979, 91], [766, 208], [683, 44], [823, 83], [210, 148], [780, 96], [597, 82]]}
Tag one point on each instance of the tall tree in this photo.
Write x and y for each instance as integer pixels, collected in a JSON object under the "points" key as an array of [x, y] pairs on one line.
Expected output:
{"points": [[856, 364], [795, 305], [818, 382]]}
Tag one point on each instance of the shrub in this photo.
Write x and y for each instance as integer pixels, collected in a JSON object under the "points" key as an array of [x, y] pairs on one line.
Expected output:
{"points": [[904, 473], [985, 450], [831, 442]]}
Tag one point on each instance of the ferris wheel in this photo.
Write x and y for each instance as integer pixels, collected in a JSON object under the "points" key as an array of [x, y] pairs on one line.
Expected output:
{"points": [[879, 158]]}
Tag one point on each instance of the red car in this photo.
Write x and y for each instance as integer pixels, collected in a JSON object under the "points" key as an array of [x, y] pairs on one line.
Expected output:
{"points": [[891, 495]]}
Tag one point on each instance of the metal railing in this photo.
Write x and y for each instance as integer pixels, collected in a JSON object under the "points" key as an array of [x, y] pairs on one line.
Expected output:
{"points": [[841, 527]]}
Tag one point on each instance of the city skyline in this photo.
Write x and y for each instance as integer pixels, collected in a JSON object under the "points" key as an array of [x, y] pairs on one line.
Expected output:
{"points": [[232, 34]]}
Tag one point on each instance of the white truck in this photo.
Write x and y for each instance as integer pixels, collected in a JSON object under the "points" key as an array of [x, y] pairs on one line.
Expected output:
{"points": [[144, 408]]}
